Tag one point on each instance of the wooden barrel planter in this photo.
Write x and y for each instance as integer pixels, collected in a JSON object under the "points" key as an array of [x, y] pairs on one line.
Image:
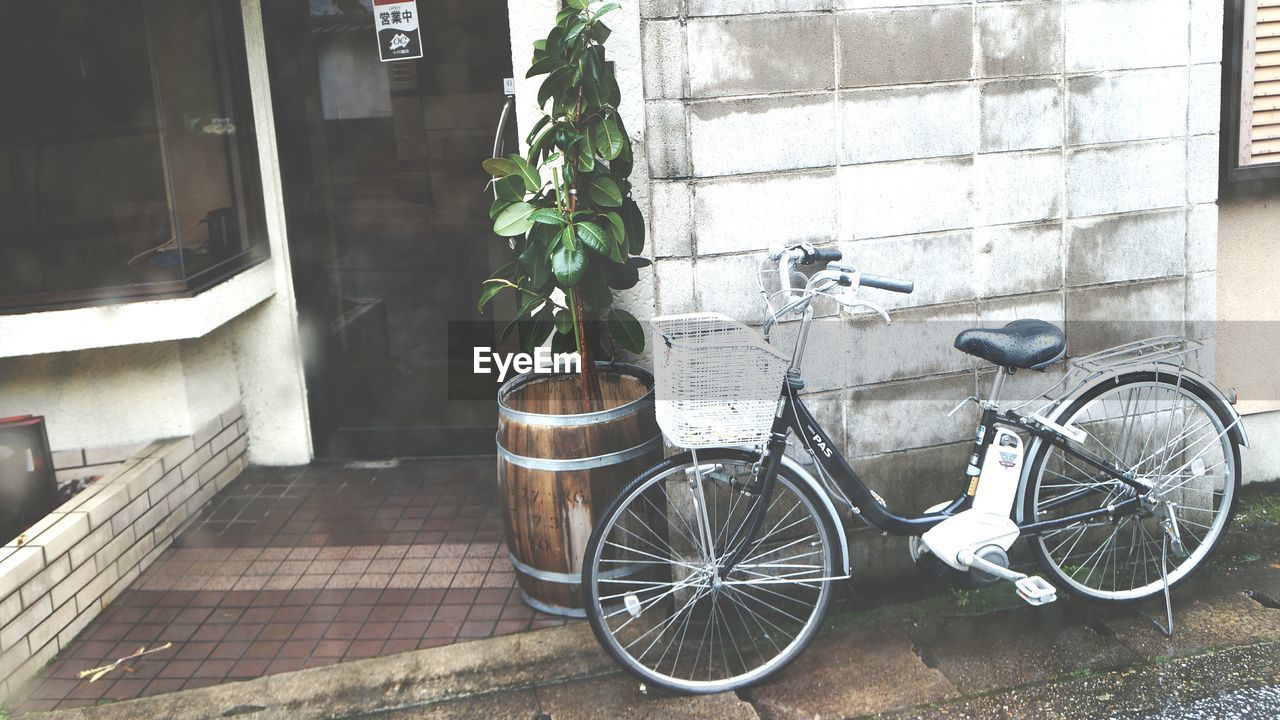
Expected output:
{"points": [[557, 472]]}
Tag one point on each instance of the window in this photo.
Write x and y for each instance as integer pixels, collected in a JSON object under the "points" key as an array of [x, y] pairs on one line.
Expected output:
{"points": [[128, 158], [1251, 91]]}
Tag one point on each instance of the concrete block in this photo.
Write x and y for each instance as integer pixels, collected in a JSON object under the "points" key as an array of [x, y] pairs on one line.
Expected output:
{"points": [[205, 432], [997, 312], [98, 586], [44, 580], [662, 47], [133, 555], [1017, 259], [192, 464], [873, 4], [13, 659], [77, 625], [1019, 39], [39, 657], [166, 485], [213, 467], [940, 265], [919, 343], [1102, 316], [1202, 238], [762, 134], [1017, 187], [11, 606], [666, 136], [660, 8], [108, 455], [1202, 304], [1202, 169], [121, 584], [229, 473], [727, 284], [910, 414], [63, 459], [49, 628], [110, 500], [1118, 178], [1020, 114], [763, 211], [698, 8], [138, 477], [670, 229], [910, 482], [16, 631], [907, 123], [1124, 34], [231, 415], [223, 439], [1206, 31], [19, 567], [1134, 105], [1126, 247], [909, 45], [755, 54], [238, 448], [112, 551], [56, 539], [177, 450], [155, 515], [674, 280], [73, 583], [90, 545], [1206, 83], [905, 198]]}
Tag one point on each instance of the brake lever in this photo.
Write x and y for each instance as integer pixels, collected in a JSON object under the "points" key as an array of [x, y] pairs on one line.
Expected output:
{"points": [[867, 304]]}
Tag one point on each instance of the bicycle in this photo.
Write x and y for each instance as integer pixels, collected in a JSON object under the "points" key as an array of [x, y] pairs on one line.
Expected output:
{"points": [[714, 569]]}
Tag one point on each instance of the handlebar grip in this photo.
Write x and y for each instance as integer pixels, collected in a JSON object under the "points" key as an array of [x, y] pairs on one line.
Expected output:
{"points": [[823, 255], [883, 283]]}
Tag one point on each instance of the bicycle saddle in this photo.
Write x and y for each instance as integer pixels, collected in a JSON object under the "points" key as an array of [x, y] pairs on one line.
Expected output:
{"points": [[1025, 344]]}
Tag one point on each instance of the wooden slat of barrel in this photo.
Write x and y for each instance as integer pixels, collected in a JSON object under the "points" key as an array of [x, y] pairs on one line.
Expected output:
{"points": [[548, 514]]}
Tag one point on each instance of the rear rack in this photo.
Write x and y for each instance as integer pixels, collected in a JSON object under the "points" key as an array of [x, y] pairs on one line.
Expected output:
{"points": [[1172, 349]]}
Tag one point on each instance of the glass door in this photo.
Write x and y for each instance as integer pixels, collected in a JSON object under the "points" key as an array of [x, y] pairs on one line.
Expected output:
{"points": [[387, 216]]}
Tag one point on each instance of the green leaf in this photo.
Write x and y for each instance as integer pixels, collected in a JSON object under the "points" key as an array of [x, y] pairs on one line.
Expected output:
{"points": [[564, 342], [606, 9], [499, 205], [556, 83], [623, 277], [566, 14], [577, 4], [536, 263], [635, 227], [555, 42], [626, 330], [607, 138], [617, 236], [514, 220], [593, 237], [565, 239], [547, 216], [586, 153], [568, 266], [604, 191], [510, 189], [599, 32], [491, 290], [544, 66], [500, 167], [564, 322], [532, 178]]}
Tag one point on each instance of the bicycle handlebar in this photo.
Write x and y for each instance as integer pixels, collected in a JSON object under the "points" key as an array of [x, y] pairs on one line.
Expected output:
{"points": [[905, 287]]}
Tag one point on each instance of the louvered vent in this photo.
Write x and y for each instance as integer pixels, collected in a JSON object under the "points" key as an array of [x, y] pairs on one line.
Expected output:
{"points": [[1260, 119]]}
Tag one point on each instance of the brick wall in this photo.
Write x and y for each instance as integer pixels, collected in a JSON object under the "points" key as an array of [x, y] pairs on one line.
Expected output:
{"points": [[1016, 159], [75, 561]]}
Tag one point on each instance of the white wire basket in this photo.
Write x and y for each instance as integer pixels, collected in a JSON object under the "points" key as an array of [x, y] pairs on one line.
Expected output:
{"points": [[717, 381]]}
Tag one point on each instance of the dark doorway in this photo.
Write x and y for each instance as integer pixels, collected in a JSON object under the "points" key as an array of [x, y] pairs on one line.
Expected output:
{"points": [[387, 214]]}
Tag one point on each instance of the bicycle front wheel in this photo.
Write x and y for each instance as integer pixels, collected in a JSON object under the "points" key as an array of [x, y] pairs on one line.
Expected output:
{"points": [[652, 587], [1170, 433]]}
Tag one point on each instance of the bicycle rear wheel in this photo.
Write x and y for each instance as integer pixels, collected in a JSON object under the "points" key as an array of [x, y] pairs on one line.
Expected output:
{"points": [[651, 585], [1171, 434]]}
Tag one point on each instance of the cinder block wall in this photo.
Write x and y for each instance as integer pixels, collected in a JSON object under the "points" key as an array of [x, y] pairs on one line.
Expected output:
{"points": [[1016, 159]]}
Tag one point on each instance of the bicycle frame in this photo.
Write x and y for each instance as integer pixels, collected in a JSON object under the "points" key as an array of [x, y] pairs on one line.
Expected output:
{"points": [[794, 416]]}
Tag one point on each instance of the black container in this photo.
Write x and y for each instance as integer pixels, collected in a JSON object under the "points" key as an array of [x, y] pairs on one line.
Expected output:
{"points": [[28, 487]]}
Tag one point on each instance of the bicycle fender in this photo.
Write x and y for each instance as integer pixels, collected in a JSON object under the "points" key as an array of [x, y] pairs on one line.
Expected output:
{"points": [[1218, 398], [804, 475]]}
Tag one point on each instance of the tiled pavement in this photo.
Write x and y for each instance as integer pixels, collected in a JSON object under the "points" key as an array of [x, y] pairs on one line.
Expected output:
{"points": [[290, 568]]}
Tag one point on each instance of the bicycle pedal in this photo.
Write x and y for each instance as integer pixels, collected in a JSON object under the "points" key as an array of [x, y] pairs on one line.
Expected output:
{"points": [[1036, 590]]}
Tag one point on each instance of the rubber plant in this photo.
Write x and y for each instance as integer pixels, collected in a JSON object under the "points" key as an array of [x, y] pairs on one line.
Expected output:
{"points": [[566, 207]]}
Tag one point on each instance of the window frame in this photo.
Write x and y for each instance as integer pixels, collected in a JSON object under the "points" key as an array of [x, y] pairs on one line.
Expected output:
{"points": [[198, 282], [1233, 67]]}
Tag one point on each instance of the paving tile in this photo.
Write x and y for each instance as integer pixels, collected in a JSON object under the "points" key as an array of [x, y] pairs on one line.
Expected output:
{"points": [[302, 567]]}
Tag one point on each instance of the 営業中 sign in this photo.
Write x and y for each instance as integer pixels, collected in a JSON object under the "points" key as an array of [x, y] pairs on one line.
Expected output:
{"points": [[396, 22]]}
